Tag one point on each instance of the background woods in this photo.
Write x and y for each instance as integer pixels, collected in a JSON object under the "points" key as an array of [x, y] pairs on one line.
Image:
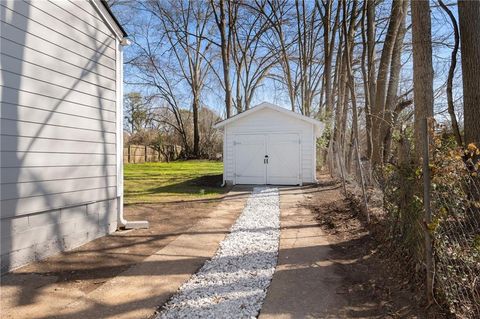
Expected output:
{"points": [[349, 63], [372, 71]]}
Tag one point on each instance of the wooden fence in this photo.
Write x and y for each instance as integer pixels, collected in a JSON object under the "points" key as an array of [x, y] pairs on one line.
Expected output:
{"points": [[142, 153]]}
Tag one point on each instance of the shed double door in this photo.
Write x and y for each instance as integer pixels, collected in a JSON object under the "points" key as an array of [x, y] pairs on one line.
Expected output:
{"points": [[272, 158]]}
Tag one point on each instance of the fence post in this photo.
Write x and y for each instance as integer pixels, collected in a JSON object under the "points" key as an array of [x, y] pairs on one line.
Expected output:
{"points": [[129, 160], [428, 212], [341, 170], [362, 180], [145, 155]]}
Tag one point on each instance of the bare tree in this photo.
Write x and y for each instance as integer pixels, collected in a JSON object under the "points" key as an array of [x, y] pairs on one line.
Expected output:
{"points": [[391, 100], [329, 37], [378, 109], [423, 97], [230, 10], [451, 73], [277, 13], [251, 58], [468, 14], [350, 78], [308, 69], [149, 71], [372, 83], [187, 27]]}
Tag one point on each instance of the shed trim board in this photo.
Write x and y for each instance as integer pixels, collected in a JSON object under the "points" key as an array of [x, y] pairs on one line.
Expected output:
{"points": [[320, 126], [269, 145]]}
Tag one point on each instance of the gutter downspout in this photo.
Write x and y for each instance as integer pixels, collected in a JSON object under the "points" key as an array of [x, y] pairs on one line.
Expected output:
{"points": [[122, 223]]}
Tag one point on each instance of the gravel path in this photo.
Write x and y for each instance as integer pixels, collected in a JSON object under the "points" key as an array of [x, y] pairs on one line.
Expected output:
{"points": [[233, 284]]}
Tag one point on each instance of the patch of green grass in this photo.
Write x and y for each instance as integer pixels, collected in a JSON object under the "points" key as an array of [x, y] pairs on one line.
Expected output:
{"points": [[180, 180]]}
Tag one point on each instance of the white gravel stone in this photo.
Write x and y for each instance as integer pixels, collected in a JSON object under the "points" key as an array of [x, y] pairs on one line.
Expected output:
{"points": [[233, 284]]}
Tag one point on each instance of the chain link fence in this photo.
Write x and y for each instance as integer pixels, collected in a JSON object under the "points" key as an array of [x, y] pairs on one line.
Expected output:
{"points": [[449, 233]]}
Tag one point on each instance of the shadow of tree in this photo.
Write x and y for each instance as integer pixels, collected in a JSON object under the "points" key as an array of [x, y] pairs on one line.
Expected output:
{"points": [[208, 183], [312, 267]]}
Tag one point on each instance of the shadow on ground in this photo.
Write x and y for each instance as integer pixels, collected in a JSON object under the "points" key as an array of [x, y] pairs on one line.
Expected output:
{"points": [[361, 292]]}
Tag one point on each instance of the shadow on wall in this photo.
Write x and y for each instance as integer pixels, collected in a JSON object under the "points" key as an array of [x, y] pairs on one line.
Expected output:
{"points": [[30, 169], [9, 159]]}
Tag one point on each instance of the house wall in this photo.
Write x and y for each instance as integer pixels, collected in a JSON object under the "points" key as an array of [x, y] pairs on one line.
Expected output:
{"points": [[265, 121], [58, 128]]}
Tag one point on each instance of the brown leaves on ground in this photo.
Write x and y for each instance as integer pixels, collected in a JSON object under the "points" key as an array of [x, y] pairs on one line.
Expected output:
{"points": [[375, 283]]}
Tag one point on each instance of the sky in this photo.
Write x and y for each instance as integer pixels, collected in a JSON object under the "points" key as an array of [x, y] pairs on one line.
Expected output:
{"points": [[213, 95]]}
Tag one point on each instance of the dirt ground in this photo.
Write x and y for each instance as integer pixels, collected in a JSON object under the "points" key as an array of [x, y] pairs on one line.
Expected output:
{"points": [[92, 264], [372, 282]]}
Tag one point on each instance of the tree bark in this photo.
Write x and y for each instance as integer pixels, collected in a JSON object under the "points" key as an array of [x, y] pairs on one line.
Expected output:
{"points": [[327, 74], [329, 36], [349, 46], [196, 127], [469, 19], [372, 82], [422, 69], [366, 87], [423, 99], [225, 42], [378, 108], [451, 73], [388, 123]]}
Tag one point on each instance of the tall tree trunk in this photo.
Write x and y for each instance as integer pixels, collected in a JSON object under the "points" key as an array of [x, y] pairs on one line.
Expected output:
{"points": [[366, 87], [347, 62], [378, 108], [196, 127], [423, 97], [392, 92], [327, 74], [469, 19], [340, 92], [351, 80], [372, 82], [329, 37], [451, 73], [225, 51], [422, 68]]}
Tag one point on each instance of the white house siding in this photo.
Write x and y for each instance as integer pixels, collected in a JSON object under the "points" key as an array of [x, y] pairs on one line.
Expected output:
{"points": [[58, 128], [266, 121]]}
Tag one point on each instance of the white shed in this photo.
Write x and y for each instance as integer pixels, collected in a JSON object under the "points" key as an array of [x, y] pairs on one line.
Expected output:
{"points": [[268, 144]]}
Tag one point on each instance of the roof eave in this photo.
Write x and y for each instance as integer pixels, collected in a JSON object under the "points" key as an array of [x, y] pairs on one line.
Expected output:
{"points": [[119, 25], [263, 105], [109, 18]]}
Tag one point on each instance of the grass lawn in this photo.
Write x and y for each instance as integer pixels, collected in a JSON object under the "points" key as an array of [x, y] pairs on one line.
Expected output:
{"points": [[180, 180]]}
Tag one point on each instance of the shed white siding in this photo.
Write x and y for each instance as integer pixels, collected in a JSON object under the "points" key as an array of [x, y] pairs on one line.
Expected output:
{"points": [[59, 64], [267, 121]]}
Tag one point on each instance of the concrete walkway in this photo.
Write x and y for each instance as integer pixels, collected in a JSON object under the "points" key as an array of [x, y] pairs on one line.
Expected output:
{"points": [[137, 291], [305, 284]]}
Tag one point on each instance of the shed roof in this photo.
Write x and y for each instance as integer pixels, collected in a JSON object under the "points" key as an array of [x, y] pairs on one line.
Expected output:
{"points": [[266, 105]]}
